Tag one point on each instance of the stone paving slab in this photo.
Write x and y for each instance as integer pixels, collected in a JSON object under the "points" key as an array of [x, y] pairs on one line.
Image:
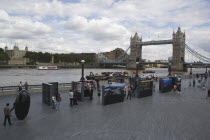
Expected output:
{"points": [[163, 116]]}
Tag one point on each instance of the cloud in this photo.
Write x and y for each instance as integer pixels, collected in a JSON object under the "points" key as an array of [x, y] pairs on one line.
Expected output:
{"points": [[21, 28], [99, 29], [103, 25]]}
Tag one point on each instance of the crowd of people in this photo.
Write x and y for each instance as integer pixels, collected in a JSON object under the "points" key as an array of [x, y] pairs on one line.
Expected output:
{"points": [[20, 86]]}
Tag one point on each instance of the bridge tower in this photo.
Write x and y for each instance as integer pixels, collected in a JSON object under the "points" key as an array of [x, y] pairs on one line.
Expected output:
{"points": [[178, 57], [135, 51]]}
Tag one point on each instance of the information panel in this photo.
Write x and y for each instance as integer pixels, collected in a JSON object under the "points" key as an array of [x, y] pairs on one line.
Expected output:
{"points": [[165, 85], [112, 93], [144, 89]]}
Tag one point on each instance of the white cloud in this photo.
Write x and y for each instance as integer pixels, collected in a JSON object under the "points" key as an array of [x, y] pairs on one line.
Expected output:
{"points": [[102, 25], [99, 29]]}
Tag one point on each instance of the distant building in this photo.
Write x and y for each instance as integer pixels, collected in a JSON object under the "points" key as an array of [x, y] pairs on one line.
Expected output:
{"points": [[112, 55], [161, 65], [17, 56]]}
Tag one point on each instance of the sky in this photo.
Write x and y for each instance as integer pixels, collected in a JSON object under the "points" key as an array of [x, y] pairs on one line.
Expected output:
{"points": [[66, 26]]}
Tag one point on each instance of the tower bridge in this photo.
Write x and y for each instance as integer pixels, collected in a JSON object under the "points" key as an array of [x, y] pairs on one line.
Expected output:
{"points": [[178, 52]]}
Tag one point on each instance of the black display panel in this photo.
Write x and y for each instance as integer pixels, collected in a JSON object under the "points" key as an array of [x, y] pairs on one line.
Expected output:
{"points": [[165, 85], [112, 93], [144, 89]]}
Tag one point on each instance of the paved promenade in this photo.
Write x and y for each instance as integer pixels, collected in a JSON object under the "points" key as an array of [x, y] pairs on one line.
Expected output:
{"points": [[163, 116]]}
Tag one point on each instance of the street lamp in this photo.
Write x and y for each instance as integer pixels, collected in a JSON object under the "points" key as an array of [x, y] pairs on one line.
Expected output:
{"points": [[169, 70], [190, 69], [137, 65], [206, 68], [82, 79]]}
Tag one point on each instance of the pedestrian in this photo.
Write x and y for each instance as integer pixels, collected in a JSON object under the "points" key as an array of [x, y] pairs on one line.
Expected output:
{"points": [[91, 93], [179, 79], [189, 84], [203, 87], [99, 94], [58, 101], [54, 102], [175, 87], [20, 86], [125, 90], [154, 86], [197, 75], [7, 115], [26, 86], [193, 82], [179, 87], [71, 97], [129, 94]]}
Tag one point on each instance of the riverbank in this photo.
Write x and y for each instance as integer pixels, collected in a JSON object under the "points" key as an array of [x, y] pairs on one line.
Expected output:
{"points": [[162, 116]]}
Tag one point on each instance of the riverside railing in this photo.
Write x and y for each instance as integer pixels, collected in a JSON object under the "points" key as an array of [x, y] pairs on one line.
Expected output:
{"points": [[31, 87]]}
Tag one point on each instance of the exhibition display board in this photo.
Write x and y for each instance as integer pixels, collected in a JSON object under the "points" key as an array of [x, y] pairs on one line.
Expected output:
{"points": [[113, 93], [144, 89], [49, 90], [165, 84]]}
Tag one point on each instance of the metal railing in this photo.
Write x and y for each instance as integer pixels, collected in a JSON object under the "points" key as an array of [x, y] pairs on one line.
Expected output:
{"points": [[31, 87]]}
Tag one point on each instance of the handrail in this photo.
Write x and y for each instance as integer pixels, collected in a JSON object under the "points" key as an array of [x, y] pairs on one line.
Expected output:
{"points": [[12, 88]]}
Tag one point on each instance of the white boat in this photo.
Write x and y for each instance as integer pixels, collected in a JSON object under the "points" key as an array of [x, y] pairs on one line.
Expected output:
{"points": [[47, 68]]}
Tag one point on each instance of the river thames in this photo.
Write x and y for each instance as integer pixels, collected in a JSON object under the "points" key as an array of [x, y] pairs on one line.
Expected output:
{"points": [[12, 77]]}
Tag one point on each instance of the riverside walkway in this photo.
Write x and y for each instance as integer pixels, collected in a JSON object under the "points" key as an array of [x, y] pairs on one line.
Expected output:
{"points": [[163, 116]]}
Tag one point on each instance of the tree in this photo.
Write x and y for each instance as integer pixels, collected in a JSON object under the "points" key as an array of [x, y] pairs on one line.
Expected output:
{"points": [[3, 55]]}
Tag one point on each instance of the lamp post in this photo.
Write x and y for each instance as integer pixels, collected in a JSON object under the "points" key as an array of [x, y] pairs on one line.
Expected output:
{"points": [[190, 69], [206, 68], [137, 65], [82, 79], [169, 70]]}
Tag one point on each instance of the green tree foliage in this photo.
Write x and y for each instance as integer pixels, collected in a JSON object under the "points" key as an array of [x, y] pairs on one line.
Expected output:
{"points": [[69, 58], [3, 55]]}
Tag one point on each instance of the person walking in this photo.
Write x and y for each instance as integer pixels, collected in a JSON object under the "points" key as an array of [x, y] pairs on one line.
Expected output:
{"points": [[7, 115], [54, 102], [153, 86], [91, 93], [71, 97], [193, 82], [26, 86], [175, 87], [189, 84], [129, 93], [20, 86], [58, 100], [99, 93]]}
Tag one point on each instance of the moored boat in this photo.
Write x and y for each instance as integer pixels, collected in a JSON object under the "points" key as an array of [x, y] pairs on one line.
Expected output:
{"points": [[148, 71]]}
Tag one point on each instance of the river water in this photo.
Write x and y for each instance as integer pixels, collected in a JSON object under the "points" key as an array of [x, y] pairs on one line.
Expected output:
{"points": [[12, 77]]}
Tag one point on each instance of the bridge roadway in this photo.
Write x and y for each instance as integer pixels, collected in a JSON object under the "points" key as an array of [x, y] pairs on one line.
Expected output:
{"points": [[163, 116], [155, 42], [145, 63]]}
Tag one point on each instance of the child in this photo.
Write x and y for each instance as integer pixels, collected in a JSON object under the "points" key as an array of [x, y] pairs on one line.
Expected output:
{"points": [[53, 102]]}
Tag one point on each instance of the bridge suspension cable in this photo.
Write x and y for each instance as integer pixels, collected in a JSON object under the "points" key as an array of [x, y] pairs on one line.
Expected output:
{"points": [[196, 54], [123, 56]]}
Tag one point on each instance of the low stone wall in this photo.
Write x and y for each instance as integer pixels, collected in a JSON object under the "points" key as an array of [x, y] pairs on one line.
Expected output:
{"points": [[38, 90]]}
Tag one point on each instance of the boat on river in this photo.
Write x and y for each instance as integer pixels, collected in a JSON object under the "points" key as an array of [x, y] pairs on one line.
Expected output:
{"points": [[47, 68], [106, 75], [148, 71]]}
